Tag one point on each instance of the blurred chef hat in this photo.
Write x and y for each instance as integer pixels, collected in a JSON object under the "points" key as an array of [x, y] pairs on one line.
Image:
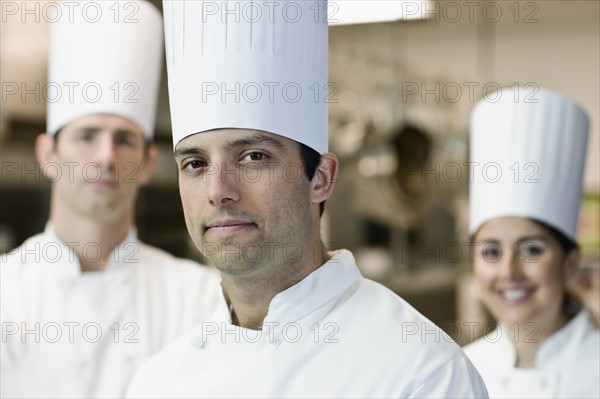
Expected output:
{"points": [[528, 151], [105, 58], [248, 64]]}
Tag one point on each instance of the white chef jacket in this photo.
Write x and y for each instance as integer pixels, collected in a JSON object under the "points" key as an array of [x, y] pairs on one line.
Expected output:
{"points": [[568, 363], [333, 334], [71, 334]]}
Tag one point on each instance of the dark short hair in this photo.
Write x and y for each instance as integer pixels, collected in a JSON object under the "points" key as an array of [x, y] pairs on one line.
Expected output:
{"points": [[310, 160], [55, 135]]}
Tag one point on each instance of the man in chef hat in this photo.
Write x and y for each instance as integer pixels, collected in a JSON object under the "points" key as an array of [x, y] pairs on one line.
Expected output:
{"points": [[524, 217], [85, 302], [294, 320]]}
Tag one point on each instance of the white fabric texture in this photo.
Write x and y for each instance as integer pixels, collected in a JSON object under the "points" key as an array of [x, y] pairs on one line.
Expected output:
{"points": [[528, 154], [568, 363], [94, 328], [333, 334], [105, 57], [248, 64]]}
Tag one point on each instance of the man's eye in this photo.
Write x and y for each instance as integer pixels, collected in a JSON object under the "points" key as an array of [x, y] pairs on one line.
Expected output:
{"points": [[255, 156], [194, 165], [129, 141], [124, 142]]}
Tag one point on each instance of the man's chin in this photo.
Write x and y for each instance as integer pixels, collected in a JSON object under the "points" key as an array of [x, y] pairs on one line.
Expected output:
{"points": [[104, 211]]}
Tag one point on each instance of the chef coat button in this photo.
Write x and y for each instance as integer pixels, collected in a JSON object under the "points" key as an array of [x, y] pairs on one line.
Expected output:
{"points": [[543, 383]]}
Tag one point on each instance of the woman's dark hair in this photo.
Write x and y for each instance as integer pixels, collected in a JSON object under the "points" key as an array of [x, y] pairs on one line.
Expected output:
{"points": [[311, 159], [570, 303], [565, 242]]}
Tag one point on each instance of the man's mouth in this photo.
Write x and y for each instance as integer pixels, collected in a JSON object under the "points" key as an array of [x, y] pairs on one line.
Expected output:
{"points": [[228, 227]]}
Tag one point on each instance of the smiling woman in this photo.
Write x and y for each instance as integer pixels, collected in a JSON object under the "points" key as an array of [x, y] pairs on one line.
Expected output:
{"points": [[524, 232], [522, 273]]}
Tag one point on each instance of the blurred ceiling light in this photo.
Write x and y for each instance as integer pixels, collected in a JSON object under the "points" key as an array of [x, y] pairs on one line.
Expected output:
{"points": [[346, 12]]}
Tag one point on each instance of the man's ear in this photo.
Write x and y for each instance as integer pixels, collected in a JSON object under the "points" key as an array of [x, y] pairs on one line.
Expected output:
{"points": [[325, 178], [149, 164], [44, 153]]}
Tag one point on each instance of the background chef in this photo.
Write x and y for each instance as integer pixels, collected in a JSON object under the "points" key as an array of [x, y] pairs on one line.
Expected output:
{"points": [[85, 302], [525, 232]]}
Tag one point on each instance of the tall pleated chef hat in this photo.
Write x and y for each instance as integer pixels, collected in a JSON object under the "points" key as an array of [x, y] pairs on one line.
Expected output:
{"points": [[528, 151], [110, 53], [248, 64]]}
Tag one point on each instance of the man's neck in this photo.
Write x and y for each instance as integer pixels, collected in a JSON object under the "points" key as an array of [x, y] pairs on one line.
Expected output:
{"points": [[249, 296], [92, 239]]}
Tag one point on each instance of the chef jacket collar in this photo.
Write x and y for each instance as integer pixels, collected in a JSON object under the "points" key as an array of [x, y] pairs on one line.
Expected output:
{"points": [[322, 286], [546, 356], [68, 261], [570, 334]]}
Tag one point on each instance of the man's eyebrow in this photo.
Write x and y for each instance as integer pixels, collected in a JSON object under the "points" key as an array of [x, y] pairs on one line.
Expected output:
{"points": [[96, 129], [253, 140], [180, 152], [128, 132], [87, 129], [230, 145]]}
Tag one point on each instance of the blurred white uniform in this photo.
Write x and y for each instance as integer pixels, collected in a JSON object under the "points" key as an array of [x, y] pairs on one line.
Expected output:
{"points": [[330, 335], [568, 363], [71, 334]]}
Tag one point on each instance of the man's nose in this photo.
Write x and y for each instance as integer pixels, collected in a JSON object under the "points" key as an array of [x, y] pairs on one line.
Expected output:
{"points": [[106, 153], [224, 185]]}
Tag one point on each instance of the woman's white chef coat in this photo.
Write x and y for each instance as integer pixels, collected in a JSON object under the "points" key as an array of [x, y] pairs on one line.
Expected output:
{"points": [[71, 334], [568, 363], [334, 334]]}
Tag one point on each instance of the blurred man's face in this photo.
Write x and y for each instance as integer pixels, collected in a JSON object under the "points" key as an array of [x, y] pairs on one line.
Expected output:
{"points": [[97, 164]]}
